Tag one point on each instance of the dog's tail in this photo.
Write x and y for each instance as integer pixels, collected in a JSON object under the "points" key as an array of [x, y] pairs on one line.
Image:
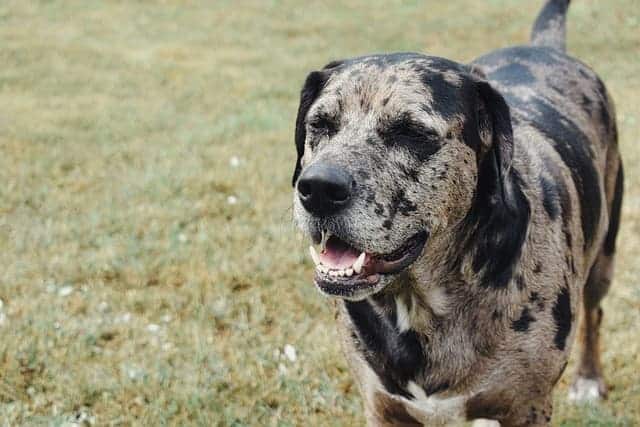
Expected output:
{"points": [[549, 28]]}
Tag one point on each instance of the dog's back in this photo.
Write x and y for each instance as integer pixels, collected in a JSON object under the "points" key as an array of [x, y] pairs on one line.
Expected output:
{"points": [[562, 101], [561, 98]]}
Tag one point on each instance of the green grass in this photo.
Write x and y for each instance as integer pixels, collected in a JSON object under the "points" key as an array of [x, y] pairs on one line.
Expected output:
{"points": [[118, 123]]}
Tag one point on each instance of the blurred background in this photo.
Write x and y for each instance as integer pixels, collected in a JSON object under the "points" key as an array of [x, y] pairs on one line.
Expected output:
{"points": [[149, 270]]}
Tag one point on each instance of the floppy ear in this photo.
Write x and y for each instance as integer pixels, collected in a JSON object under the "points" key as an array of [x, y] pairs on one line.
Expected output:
{"points": [[494, 124], [312, 87], [501, 212]]}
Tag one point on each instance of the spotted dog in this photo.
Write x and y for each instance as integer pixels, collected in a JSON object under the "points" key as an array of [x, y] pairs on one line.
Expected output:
{"points": [[465, 215]]}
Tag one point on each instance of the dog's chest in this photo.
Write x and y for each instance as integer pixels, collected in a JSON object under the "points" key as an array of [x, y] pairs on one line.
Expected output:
{"points": [[431, 410]]}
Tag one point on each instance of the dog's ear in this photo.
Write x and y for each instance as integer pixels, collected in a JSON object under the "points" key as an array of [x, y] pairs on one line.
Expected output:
{"points": [[496, 151], [312, 87], [501, 212]]}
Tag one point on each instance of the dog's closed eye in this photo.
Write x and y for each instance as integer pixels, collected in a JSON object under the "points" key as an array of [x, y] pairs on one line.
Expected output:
{"points": [[405, 130], [323, 124]]}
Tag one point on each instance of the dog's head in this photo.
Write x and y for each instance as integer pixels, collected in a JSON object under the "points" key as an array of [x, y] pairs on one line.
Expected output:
{"points": [[392, 151]]}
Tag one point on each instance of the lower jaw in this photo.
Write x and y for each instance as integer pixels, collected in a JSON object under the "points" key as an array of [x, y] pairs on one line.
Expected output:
{"points": [[355, 290]]}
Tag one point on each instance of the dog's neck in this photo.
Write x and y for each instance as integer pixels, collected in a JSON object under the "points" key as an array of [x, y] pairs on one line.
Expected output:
{"points": [[430, 310]]}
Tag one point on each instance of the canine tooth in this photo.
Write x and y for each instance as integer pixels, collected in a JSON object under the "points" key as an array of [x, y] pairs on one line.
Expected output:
{"points": [[349, 272], [357, 266], [325, 236], [341, 273], [314, 255]]}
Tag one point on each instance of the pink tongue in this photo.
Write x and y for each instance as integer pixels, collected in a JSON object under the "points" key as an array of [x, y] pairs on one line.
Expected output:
{"points": [[338, 255]]}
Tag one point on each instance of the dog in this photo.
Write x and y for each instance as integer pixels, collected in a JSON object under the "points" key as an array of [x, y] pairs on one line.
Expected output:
{"points": [[466, 214]]}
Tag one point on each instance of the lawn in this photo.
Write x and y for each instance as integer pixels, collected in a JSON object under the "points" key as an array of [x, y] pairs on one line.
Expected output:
{"points": [[149, 270]]}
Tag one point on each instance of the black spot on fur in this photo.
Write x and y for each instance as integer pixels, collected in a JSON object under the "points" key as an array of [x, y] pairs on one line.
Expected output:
{"points": [[614, 221], [395, 357], [562, 317], [523, 322], [565, 207], [520, 283], [550, 198], [513, 74], [436, 388], [443, 94], [409, 171], [387, 224], [399, 203], [572, 145], [537, 269]]}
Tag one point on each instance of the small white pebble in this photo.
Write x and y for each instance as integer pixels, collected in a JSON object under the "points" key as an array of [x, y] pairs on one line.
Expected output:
{"points": [[125, 318], [167, 346], [166, 318], [152, 327], [234, 162], [65, 291], [1, 304], [290, 352], [182, 237], [282, 369], [103, 306], [232, 200], [3, 318]]}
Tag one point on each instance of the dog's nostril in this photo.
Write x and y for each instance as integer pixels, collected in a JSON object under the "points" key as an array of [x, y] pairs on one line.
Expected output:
{"points": [[337, 193], [304, 188]]}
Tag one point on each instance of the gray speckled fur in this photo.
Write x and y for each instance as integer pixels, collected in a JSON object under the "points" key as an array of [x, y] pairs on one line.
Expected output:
{"points": [[489, 352]]}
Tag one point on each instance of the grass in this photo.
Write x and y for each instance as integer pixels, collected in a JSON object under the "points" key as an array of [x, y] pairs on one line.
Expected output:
{"points": [[149, 271]]}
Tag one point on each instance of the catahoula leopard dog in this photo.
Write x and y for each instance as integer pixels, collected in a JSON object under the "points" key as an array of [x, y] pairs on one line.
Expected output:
{"points": [[466, 214]]}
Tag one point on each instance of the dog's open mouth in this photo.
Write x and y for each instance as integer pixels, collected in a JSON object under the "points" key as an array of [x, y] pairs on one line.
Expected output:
{"points": [[343, 270]]}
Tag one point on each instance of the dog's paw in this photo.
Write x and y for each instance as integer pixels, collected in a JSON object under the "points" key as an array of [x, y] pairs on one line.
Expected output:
{"points": [[587, 390], [481, 422]]}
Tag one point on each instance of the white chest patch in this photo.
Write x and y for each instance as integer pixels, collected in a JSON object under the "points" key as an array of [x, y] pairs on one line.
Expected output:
{"points": [[432, 407], [402, 314]]}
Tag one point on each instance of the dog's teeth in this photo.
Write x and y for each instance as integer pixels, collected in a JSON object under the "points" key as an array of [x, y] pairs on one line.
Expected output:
{"points": [[325, 236], [333, 273], [341, 273], [314, 255], [349, 272], [357, 266]]}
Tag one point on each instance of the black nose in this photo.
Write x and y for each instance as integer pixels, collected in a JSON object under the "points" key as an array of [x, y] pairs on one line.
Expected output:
{"points": [[325, 189]]}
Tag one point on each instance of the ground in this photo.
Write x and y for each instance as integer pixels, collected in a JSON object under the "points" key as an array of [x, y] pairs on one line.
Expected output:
{"points": [[149, 270]]}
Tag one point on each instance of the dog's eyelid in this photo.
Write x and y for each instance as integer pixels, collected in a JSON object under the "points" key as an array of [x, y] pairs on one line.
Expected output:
{"points": [[323, 123], [409, 128]]}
